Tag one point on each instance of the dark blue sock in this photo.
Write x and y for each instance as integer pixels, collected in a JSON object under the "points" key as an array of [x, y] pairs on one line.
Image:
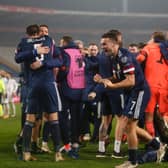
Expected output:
{"points": [[27, 132], [155, 144], [19, 140], [64, 123], [132, 156], [55, 132], [46, 131]]}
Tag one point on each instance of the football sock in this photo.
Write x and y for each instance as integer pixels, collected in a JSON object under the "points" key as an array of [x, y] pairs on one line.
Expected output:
{"points": [[117, 145], [132, 155], [101, 146], [55, 132], [27, 132], [46, 131]]}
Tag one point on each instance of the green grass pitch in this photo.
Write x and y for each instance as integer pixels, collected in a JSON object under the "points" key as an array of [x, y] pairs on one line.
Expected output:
{"points": [[9, 129]]}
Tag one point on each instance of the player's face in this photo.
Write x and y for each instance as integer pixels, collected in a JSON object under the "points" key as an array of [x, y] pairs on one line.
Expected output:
{"points": [[133, 49], [93, 50], [108, 46], [43, 31]]}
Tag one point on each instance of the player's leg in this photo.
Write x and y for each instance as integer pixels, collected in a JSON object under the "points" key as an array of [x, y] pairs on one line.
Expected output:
{"points": [[55, 133], [117, 106], [52, 105], [149, 112], [45, 133], [27, 132], [105, 122]]}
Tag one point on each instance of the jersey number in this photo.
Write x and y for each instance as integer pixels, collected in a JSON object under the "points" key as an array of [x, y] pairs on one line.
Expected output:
{"points": [[41, 56]]}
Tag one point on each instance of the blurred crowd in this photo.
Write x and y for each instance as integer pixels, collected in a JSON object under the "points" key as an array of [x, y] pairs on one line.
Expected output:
{"points": [[9, 95]]}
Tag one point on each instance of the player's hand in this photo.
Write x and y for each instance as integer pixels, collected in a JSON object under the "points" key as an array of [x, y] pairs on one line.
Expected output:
{"points": [[107, 83], [97, 78], [92, 95], [42, 50], [36, 65]]}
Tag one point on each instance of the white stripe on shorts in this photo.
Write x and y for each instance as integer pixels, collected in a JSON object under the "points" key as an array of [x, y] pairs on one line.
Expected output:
{"points": [[99, 109], [58, 97], [138, 105], [122, 100]]}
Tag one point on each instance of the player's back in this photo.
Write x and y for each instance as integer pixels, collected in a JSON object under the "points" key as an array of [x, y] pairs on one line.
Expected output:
{"points": [[156, 70], [42, 74], [27, 44]]}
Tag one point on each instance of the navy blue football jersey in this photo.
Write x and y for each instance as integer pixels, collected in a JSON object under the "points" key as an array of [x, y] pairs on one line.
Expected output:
{"points": [[26, 53], [125, 64]]}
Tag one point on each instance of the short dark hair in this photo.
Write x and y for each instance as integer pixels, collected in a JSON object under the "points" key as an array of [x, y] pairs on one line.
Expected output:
{"points": [[67, 39], [112, 35], [141, 45], [92, 43], [32, 30], [158, 36], [43, 25], [115, 31], [133, 45]]}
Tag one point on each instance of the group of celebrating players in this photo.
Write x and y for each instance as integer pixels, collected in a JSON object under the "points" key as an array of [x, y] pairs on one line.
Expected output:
{"points": [[68, 84]]}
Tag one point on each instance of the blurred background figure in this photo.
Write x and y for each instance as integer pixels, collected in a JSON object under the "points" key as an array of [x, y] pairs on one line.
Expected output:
{"points": [[11, 91], [82, 48], [2, 91], [11, 87], [133, 48], [44, 30]]}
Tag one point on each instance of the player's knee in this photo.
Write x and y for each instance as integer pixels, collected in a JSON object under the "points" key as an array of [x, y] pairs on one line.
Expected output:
{"points": [[30, 123], [30, 117], [53, 116]]}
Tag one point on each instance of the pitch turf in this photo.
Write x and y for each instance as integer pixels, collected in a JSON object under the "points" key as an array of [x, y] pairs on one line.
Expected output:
{"points": [[9, 128]]}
